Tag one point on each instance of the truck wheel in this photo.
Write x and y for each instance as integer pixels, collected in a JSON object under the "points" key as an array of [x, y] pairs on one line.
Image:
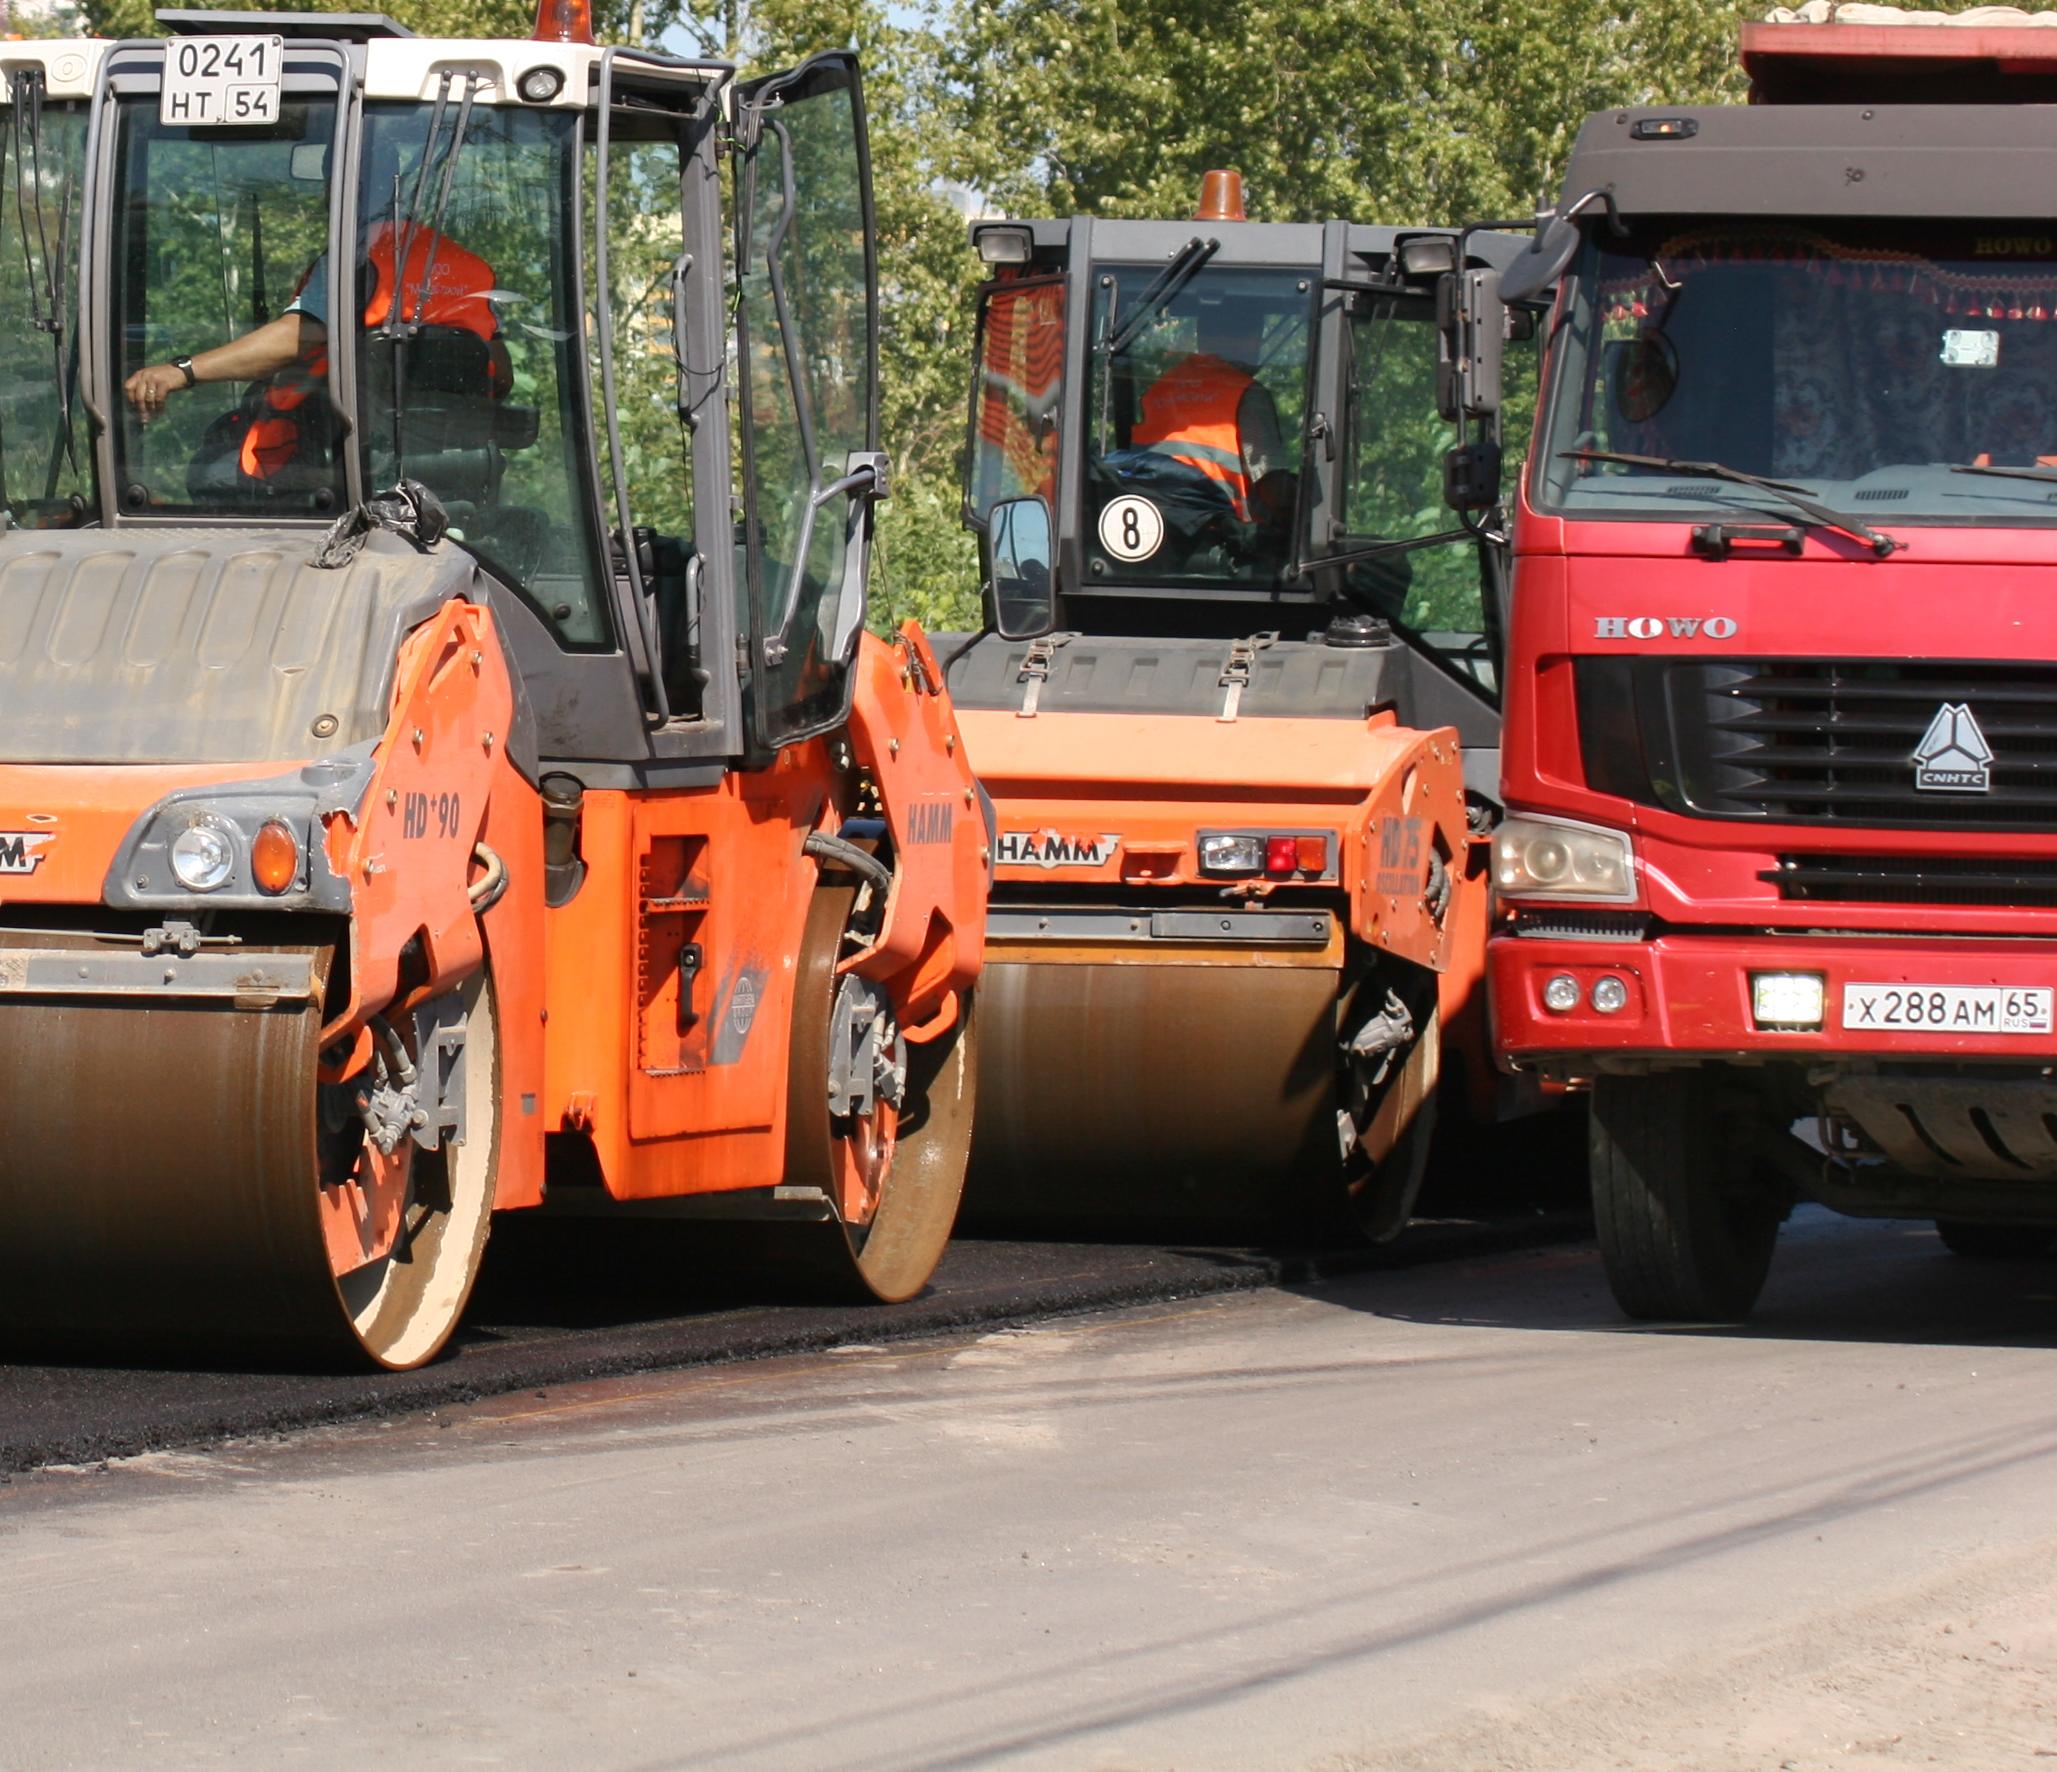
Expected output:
{"points": [[1682, 1234], [1995, 1242]]}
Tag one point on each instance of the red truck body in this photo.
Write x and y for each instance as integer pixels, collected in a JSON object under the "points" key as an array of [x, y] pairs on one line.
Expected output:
{"points": [[1779, 879]]}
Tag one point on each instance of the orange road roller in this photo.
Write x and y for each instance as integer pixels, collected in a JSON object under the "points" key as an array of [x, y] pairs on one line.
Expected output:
{"points": [[1237, 704], [443, 766]]}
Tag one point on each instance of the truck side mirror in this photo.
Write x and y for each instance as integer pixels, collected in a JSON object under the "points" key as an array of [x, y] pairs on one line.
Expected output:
{"points": [[1471, 324], [1023, 587]]}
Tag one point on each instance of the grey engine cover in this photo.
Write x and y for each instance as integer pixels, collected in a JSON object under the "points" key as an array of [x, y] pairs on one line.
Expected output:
{"points": [[203, 646]]}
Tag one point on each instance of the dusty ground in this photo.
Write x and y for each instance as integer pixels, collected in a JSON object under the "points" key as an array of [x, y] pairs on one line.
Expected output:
{"points": [[1450, 1518], [1955, 1673]]}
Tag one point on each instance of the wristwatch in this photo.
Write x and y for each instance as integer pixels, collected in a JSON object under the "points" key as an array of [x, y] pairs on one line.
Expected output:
{"points": [[184, 365]]}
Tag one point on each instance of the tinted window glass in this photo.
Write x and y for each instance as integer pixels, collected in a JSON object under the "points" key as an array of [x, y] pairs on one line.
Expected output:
{"points": [[217, 231], [46, 473], [1192, 451]]}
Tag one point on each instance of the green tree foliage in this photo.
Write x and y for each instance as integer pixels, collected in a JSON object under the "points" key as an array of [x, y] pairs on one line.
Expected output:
{"points": [[1409, 111]]}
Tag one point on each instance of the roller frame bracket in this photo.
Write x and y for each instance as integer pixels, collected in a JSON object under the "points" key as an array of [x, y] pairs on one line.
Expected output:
{"points": [[249, 980], [439, 1041], [1259, 928]]}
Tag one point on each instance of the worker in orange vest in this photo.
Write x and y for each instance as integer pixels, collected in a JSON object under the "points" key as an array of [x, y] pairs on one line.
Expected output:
{"points": [[286, 359], [1211, 413]]}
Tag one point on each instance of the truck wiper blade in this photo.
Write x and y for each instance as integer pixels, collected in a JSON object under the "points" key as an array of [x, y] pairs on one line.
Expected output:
{"points": [[1163, 291], [2049, 474], [1823, 516]]}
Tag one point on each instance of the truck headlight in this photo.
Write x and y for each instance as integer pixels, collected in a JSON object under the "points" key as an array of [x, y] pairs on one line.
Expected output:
{"points": [[1553, 858]]}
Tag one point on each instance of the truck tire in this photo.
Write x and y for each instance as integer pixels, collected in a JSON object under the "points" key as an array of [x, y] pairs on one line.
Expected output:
{"points": [[1994, 1242], [1683, 1233]]}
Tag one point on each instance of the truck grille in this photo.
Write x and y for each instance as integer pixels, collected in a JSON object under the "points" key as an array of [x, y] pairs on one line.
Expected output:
{"points": [[1818, 741], [1914, 879]]}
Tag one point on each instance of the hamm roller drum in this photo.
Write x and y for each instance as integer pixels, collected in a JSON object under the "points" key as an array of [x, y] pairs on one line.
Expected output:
{"points": [[169, 1184], [1132, 1096]]}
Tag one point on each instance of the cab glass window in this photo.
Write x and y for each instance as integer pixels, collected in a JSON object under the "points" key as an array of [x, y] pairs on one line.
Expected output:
{"points": [[645, 251], [808, 380], [1018, 392], [216, 231], [46, 472], [1192, 452], [471, 334], [1393, 446]]}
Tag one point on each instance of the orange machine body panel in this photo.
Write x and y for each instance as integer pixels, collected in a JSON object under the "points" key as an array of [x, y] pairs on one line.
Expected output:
{"points": [[653, 1010], [1103, 803], [669, 976]]}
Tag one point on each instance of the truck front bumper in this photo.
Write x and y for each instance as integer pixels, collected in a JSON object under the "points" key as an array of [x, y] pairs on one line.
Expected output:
{"points": [[1689, 995]]}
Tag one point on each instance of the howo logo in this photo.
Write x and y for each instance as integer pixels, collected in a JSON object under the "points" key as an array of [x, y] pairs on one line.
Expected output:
{"points": [[1953, 756], [1046, 849], [1655, 627], [19, 851]]}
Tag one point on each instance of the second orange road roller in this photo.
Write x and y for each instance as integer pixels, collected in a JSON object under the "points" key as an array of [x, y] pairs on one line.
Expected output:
{"points": [[436, 773], [1237, 707]]}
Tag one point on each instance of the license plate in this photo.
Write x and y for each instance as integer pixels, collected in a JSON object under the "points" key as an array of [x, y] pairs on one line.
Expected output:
{"points": [[221, 81], [1947, 1008]]}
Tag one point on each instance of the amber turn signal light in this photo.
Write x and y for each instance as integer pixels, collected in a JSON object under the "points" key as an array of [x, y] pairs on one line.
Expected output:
{"points": [[564, 21], [274, 858]]}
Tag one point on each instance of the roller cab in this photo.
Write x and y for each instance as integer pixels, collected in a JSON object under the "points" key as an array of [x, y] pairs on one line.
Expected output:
{"points": [[1237, 709], [443, 768]]}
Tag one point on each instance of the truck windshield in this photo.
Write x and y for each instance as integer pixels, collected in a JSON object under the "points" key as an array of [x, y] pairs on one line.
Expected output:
{"points": [[45, 460], [1192, 446], [1861, 364]]}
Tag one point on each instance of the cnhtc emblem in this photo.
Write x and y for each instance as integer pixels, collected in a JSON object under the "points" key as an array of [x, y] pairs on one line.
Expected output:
{"points": [[1953, 756]]}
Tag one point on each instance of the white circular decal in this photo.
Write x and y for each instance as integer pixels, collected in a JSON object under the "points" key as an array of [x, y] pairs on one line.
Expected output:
{"points": [[1131, 528]]}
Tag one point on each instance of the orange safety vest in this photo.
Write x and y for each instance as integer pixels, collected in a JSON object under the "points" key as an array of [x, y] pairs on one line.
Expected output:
{"points": [[455, 297], [1192, 415]]}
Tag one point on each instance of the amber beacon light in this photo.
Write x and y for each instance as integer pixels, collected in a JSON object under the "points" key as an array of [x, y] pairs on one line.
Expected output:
{"points": [[1221, 195], [564, 21]]}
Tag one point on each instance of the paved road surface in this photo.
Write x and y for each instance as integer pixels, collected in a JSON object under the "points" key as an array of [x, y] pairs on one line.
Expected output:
{"points": [[1453, 1517], [562, 1302]]}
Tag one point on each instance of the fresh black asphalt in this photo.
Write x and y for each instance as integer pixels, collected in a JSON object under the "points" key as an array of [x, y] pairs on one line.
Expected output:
{"points": [[563, 1301]]}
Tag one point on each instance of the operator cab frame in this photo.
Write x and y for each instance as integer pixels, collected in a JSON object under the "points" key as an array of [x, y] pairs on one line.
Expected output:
{"points": [[1355, 537], [648, 591]]}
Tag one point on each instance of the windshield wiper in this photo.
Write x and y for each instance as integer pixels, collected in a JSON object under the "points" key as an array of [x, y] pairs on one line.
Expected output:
{"points": [[48, 293], [2048, 474], [1162, 291], [1821, 515]]}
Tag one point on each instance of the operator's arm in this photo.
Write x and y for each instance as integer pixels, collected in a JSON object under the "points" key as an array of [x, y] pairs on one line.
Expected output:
{"points": [[263, 351]]}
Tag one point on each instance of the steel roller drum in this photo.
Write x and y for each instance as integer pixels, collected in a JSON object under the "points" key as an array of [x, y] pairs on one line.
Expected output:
{"points": [[160, 1188], [1124, 1095]]}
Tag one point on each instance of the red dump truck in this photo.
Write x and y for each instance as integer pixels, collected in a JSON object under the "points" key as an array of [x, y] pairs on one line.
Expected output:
{"points": [[1778, 881]]}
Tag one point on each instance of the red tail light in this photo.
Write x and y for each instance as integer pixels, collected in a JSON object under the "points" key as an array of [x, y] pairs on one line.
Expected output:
{"points": [[1281, 855]]}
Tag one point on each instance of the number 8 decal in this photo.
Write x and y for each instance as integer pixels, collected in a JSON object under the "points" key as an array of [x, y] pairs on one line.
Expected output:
{"points": [[1131, 528]]}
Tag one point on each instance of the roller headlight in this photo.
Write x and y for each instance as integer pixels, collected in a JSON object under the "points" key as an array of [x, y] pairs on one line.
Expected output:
{"points": [[1550, 858], [1224, 852], [203, 855]]}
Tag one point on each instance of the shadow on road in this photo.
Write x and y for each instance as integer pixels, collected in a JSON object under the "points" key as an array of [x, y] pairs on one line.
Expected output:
{"points": [[1833, 1279]]}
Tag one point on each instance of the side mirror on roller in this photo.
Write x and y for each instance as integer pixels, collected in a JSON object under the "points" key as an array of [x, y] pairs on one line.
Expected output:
{"points": [[1019, 536]]}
